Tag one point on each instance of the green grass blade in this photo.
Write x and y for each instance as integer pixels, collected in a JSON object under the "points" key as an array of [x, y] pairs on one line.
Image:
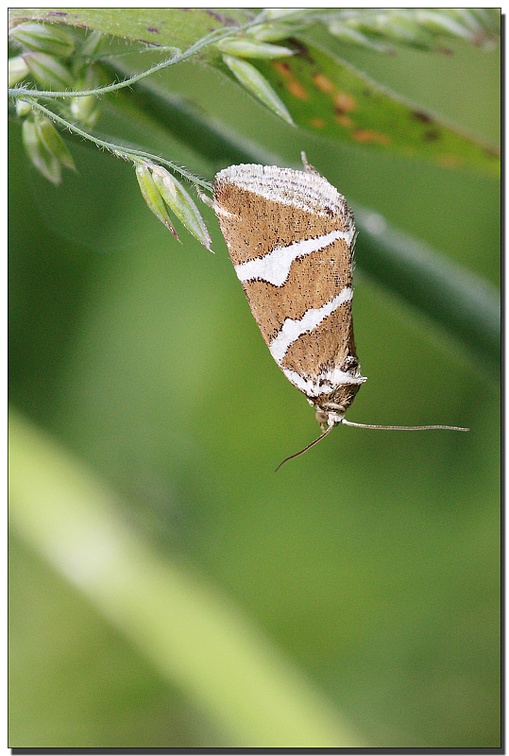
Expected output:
{"points": [[184, 627], [172, 27], [463, 305], [327, 95]]}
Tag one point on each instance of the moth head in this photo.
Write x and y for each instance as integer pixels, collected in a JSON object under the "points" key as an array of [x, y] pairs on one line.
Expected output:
{"points": [[328, 418]]}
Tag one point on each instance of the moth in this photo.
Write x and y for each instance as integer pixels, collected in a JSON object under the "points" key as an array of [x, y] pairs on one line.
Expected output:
{"points": [[291, 237]]}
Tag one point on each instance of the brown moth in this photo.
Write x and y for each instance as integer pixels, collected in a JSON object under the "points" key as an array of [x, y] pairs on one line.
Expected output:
{"points": [[291, 235]]}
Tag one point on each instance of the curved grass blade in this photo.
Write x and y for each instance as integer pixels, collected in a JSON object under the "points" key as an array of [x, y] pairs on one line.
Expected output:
{"points": [[327, 95]]}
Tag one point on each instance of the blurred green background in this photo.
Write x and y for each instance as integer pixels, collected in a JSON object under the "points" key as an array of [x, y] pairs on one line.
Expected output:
{"points": [[371, 563]]}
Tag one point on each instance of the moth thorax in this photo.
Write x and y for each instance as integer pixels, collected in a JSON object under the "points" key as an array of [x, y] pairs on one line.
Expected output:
{"points": [[339, 400]]}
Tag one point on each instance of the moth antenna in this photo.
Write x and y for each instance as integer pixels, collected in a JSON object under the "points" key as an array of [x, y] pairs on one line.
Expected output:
{"points": [[404, 427], [297, 454]]}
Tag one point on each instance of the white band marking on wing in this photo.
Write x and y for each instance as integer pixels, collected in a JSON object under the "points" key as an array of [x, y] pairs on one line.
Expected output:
{"points": [[293, 329], [275, 266], [325, 383]]}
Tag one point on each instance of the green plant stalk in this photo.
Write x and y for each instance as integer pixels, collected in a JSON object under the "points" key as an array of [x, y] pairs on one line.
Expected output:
{"points": [[185, 628], [125, 152], [462, 304], [218, 144], [459, 303], [177, 57]]}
